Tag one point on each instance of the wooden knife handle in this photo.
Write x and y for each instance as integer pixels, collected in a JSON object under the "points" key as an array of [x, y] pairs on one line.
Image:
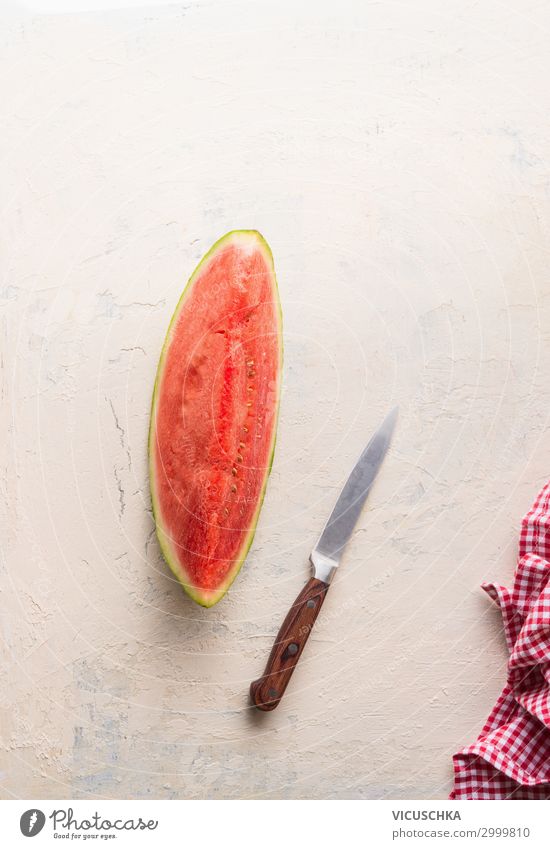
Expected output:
{"points": [[267, 691]]}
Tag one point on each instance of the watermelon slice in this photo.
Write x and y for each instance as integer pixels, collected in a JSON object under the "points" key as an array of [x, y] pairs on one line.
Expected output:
{"points": [[214, 414]]}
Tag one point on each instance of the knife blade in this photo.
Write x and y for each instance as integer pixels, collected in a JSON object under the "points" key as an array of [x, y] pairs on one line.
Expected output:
{"points": [[267, 692], [325, 557]]}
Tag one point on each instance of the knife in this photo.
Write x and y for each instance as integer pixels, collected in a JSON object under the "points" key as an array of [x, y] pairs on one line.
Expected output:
{"points": [[267, 691]]}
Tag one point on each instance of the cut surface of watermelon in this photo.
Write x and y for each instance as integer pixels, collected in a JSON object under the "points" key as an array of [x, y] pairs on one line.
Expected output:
{"points": [[214, 414]]}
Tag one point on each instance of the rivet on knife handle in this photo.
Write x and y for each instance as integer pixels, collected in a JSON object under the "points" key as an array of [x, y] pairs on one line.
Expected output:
{"points": [[267, 691]]}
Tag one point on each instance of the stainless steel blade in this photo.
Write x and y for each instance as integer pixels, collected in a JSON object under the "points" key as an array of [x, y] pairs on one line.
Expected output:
{"points": [[325, 557]]}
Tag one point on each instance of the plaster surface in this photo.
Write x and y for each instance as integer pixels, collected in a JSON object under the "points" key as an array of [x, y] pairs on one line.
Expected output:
{"points": [[396, 158]]}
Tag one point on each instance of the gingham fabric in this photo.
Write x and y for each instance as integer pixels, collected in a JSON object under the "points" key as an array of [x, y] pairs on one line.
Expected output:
{"points": [[511, 757]]}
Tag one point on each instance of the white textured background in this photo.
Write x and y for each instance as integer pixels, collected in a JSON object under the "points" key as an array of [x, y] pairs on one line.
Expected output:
{"points": [[396, 157]]}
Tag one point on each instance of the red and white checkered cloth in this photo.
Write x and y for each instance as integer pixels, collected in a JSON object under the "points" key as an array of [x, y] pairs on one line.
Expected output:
{"points": [[511, 757]]}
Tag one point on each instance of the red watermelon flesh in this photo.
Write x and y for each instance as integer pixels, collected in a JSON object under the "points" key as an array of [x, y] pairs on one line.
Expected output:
{"points": [[214, 414]]}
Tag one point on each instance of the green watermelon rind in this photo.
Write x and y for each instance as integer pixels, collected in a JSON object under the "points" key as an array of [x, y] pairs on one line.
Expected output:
{"points": [[165, 546]]}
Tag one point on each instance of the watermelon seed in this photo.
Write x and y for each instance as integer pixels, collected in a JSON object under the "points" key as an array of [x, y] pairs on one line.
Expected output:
{"points": [[239, 458], [233, 488], [249, 403], [241, 445], [245, 428], [226, 511], [233, 471]]}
